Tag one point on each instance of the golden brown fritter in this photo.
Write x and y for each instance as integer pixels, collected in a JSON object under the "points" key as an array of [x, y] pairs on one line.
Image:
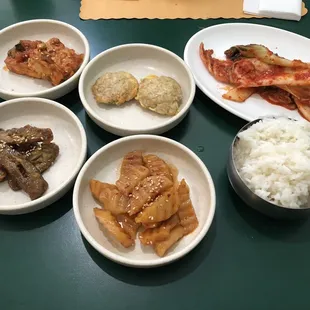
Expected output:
{"points": [[115, 88], [162, 95]]}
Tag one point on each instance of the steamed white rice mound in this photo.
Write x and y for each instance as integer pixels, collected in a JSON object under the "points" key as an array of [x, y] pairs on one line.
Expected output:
{"points": [[273, 159]]}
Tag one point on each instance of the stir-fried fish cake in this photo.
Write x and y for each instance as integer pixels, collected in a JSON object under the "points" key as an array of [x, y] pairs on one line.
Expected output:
{"points": [[151, 199], [146, 191], [162, 95], [157, 166], [132, 172], [175, 235], [187, 215], [161, 209], [110, 224], [109, 197], [23, 173], [152, 235], [26, 135], [115, 88], [128, 224], [50, 61]]}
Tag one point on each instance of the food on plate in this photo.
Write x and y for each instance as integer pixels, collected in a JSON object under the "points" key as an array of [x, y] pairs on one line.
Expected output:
{"points": [[153, 235], [25, 154], [162, 95], [161, 209], [42, 156], [272, 157], [26, 135], [51, 60], [115, 88], [186, 212], [22, 172], [2, 175], [156, 203], [114, 229], [132, 172], [157, 166], [146, 191], [277, 96], [254, 68], [109, 196], [163, 246], [128, 224]]}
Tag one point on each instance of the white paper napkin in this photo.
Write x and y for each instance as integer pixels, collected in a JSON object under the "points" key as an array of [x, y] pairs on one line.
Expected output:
{"points": [[283, 9]]}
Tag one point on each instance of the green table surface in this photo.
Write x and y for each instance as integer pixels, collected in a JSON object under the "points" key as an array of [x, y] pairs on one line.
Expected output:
{"points": [[246, 261]]}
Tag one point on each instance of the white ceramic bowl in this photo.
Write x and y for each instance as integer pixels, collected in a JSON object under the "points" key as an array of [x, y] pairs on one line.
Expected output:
{"points": [[140, 60], [222, 37], [104, 164], [16, 86], [69, 135]]}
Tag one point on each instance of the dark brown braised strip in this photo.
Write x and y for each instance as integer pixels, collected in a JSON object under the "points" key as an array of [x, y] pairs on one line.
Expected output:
{"points": [[42, 156], [2, 174], [22, 172], [26, 135]]}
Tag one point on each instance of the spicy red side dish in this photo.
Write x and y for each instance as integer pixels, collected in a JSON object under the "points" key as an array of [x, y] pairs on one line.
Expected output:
{"points": [[254, 68], [50, 60]]}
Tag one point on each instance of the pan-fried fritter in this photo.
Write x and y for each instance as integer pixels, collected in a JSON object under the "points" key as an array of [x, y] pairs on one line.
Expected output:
{"points": [[162, 95], [110, 224], [115, 88], [50, 61]]}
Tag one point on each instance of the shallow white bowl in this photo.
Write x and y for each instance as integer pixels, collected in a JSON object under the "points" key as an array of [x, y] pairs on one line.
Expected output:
{"points": [[15, 86], [104, 165], [220, 38], [69, 135], [140, 60]]}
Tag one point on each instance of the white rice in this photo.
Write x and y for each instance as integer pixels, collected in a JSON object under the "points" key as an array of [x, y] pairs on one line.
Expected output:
{"points": [[273, 159]]}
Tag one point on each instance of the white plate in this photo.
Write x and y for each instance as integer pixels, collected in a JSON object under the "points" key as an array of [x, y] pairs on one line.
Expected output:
{"points": [[69, 135], [140, 60], [220, 38], [15, 86], [104, 166]]}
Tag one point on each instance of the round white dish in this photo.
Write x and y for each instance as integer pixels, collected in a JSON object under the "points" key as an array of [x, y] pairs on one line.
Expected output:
{"points": [[104, 165], [69, 135], [220, 38], [15, 86], [140, 60]]}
